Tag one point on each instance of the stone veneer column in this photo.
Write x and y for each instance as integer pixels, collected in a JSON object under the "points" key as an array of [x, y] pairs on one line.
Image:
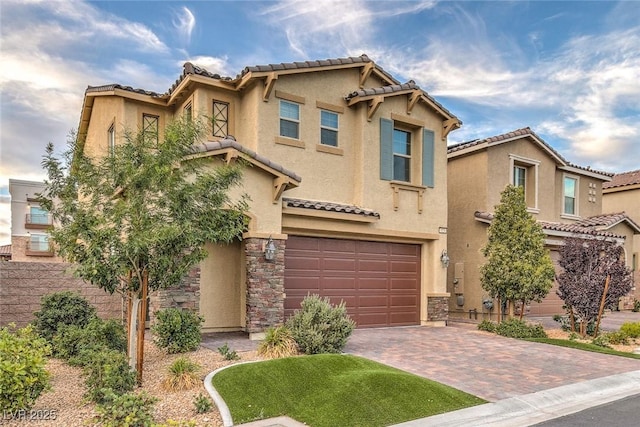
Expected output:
{"points": [[185, 296], [265, 285], [437, 309]]}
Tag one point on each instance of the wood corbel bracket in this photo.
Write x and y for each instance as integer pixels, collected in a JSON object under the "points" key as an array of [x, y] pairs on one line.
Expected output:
{"points": [[448, 126], [279, 185], [413, 100], [365, 73], [374, 104], [268, 86], [230, 156]]}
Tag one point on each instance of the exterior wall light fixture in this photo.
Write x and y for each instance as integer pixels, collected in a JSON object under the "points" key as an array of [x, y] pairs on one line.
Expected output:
{"points": [[444, 259], [270, 250]]}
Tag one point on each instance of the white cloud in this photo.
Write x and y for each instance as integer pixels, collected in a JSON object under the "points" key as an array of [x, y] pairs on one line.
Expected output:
{"points": [[211, 64], [184, 22]]}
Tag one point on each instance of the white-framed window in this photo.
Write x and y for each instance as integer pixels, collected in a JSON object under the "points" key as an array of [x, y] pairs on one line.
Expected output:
{"points": [[188, 112], [39, 243], [220, 119], [524, 173], [401, 155], [328, 128], [570, 195], [520, 176], [111, 138], [289, 119], [150, 127]]}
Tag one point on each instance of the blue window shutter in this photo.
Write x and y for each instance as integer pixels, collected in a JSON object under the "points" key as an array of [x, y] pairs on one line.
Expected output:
{"points": [[428, 158], [386, 149]]}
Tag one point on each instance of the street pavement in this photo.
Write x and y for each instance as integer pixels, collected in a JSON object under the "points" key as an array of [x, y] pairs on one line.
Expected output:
{"points": [[621, 413]]}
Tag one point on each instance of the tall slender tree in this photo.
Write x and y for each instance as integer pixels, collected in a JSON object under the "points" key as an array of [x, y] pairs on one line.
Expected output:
{"points": [[137, 219], [518, 268], [586, 264]]}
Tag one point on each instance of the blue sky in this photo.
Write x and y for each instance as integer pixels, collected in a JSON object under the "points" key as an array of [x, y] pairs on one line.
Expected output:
{"points": [[569, 70]]}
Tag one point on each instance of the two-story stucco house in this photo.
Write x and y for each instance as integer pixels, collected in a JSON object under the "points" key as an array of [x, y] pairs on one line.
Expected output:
{"points": [[622, 194], [564, 198], [29, 224], [348, 183]]}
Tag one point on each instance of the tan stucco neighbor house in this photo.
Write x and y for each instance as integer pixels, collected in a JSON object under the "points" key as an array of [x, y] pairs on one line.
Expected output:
{"points": [[348, 179], [622, 194], [565, 199]]}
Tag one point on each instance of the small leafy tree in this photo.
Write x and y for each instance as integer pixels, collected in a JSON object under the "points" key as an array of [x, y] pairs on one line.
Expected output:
{"points": [[137, 219], [586, 264], [518, 266]]}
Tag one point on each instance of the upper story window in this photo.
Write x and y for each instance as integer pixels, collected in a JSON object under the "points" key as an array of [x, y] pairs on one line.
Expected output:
{"points": [[38, 243], [289, 119], [520, 176], [37, 215], [188, 112], [401, 155], [328, 128], [150, 127], [407, 152], [111, 138], [220, 119], [570, 196], [524, 173]]}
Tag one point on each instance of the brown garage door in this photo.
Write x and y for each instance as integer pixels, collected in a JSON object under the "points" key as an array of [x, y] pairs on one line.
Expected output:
{"points": [[551, 304], [379, 282]]}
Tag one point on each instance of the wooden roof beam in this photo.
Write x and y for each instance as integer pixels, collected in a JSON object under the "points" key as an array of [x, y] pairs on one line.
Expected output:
{"points": [[374, 104], [268, 86]]}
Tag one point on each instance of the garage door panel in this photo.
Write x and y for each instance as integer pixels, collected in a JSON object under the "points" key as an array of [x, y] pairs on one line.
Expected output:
{"points": [[301, 262], [406, 301], [337, 264], [331, 284], [403, 267], [379, 281], [373, 265], [373, 284], [373, 301], [404, 284]]}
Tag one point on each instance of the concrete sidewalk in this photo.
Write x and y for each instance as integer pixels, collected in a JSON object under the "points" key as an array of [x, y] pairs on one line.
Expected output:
{"points": [[537, 407]]}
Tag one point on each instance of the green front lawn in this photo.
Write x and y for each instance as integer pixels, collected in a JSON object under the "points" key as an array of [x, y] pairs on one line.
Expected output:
{"points": [[334, 390], [584, 346]]}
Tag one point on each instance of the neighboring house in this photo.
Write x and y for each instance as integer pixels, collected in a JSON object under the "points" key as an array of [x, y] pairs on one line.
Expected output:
{"points": [[564, 198], [5, 253], [29, 224], [622, 194], [348, 184]]}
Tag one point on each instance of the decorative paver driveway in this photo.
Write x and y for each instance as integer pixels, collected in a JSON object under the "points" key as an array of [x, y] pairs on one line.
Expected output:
{"points": [[485, 365]]}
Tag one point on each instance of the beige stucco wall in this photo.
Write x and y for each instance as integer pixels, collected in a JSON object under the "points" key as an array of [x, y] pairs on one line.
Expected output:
{"points": [[627, 199], [221, 288]]}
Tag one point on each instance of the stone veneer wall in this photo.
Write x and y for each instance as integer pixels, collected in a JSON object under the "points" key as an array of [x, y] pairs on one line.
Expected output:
{"points": [[23, 284], [185, 296], [437, 309], [19, 252], [265, 285]]}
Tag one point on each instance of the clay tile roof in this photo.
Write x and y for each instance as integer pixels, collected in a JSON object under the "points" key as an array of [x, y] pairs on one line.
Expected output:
{"points": [[608, 220], [232, 143], [118, 86], [329, 206], [623, 179], [410, 85], [5, 250], [497, 138], [577, 227], [310, 64], [191, 69]]}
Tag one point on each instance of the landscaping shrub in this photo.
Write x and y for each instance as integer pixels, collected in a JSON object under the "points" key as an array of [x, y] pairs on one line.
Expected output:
{"points": [[320, 327], [632, 330], [202, 403], [177, 331], [601, 340], [107, 371], [61, 308], [227, 353], [126, 410], [183, 375], [23, 376], [617, 337], [278, 342], [75, 344], [515, 328], [487, 325]]}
